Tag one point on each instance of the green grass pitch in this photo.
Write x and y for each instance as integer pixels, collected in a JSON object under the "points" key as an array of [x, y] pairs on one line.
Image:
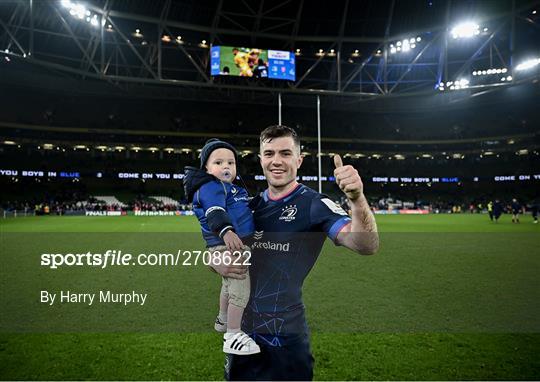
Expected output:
{"points": [[447, 297]]}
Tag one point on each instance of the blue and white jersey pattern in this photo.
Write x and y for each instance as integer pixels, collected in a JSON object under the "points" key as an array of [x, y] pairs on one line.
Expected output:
{"points": [[289, 235]]}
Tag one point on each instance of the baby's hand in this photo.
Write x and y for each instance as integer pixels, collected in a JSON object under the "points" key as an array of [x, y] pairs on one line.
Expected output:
{"points": [[232, 241]]}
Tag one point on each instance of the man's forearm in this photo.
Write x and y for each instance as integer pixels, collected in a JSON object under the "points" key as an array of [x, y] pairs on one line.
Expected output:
{"points": [[363, 236], [362, 217]]}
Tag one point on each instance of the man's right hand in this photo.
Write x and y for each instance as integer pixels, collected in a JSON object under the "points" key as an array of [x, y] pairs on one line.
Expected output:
{"points": [[232, 270], [233, 241]]}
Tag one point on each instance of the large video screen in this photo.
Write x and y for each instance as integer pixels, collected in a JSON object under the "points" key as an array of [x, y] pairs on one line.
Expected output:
{"points": [[252, 62]]}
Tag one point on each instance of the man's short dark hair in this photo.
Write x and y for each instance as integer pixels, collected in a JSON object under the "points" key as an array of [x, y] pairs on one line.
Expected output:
{"points": [[278, 131]]}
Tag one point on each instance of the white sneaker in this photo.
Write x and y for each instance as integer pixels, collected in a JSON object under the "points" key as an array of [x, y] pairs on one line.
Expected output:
{"points": [[220, 326], [239, 343]]}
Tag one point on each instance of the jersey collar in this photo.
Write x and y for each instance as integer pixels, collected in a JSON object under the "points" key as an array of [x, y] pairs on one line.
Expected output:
{"points": [[283, 198]]}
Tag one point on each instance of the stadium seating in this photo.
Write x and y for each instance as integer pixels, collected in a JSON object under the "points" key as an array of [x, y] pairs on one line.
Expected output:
{"points": [[110, 201], [165, 200]]}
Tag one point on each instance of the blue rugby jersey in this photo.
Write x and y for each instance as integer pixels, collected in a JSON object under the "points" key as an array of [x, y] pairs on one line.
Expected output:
{"points": [[289, 235]]}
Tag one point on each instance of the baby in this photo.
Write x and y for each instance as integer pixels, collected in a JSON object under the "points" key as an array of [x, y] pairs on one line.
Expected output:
{"points": [[226, 220]]}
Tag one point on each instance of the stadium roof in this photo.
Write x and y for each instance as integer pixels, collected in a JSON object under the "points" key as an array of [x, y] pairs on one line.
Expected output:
{"points": [[348, 49]]}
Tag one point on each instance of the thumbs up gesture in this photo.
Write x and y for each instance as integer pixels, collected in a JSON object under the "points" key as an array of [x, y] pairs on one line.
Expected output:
{"points": [[348, 179]]}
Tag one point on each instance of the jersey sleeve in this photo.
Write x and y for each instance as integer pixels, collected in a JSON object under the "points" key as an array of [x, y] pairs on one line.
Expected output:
{"points": [[328, 217], [212, 198]]}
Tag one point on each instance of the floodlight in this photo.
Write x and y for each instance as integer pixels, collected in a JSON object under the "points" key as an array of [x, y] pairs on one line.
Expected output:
{"points": [[404, 45], [80, 11], [528, 64], [465, 30]]}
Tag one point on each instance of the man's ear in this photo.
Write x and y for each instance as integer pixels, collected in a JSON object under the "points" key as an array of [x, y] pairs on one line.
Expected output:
{"points": [[300, 160]]}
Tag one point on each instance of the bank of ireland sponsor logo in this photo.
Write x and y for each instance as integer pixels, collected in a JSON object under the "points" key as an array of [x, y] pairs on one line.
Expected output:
{"points": [[272, 246], [288, 213], [269, 245]]}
